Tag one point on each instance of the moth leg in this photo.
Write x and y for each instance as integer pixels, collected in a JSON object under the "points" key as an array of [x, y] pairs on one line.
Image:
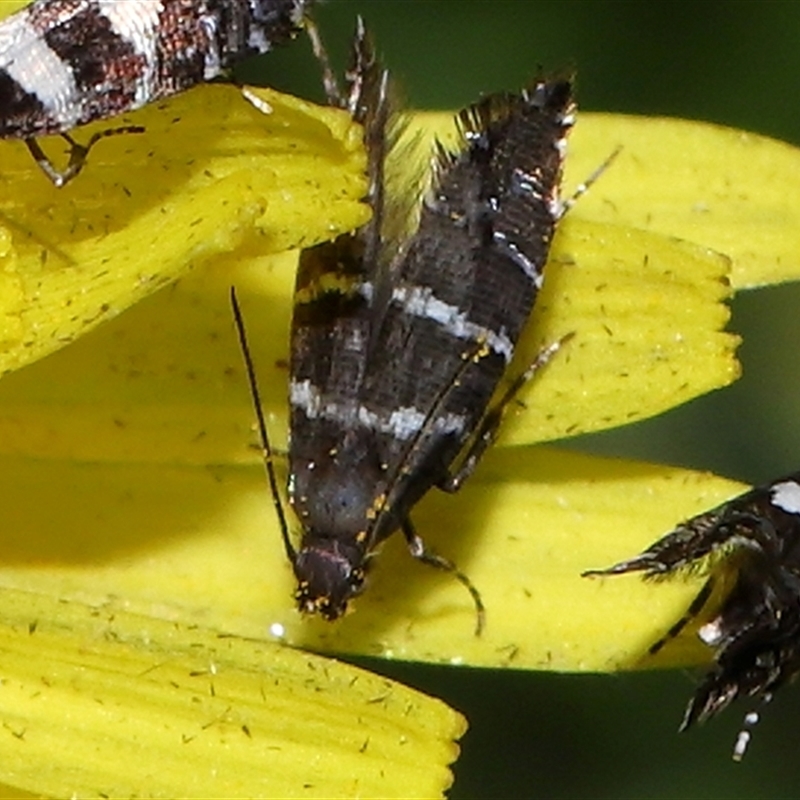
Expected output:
{"points": [[333, 93], [729, 526], [690, 542], [419, 551], [722, 528], [77, 153], [582, 188], [687, 543], [691, 613], [489, 425]]}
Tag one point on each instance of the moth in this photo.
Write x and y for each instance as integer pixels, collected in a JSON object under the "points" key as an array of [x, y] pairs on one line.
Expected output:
{"points": [[398, 345], [64, 63], [755, 634]]}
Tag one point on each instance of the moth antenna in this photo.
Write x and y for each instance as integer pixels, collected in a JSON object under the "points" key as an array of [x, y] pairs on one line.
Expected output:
{"points": [[266, 447]]}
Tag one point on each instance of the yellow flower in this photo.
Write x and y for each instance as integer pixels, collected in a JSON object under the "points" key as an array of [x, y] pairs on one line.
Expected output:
{"points": [[137, 522]]}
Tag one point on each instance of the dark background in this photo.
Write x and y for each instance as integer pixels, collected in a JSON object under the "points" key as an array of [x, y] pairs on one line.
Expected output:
{"points": [[734, 63]]}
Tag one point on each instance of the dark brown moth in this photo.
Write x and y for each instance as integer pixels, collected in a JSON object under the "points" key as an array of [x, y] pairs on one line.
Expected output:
{"points": [[755, 634], [392, 372], [397, 347]]}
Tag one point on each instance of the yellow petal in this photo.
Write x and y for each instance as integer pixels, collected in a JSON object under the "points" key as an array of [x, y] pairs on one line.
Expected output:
{"points": [[200, 714], [530, 522], [10, 6], [118, 426], [648, 315], [201, 546], [164, 382], [729, 190], [130, 430], [129, 482], [114, 424], [149, 207]]}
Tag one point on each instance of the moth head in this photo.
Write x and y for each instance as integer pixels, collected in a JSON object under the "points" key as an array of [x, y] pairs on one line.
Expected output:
{"points": [[327, 577]]}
